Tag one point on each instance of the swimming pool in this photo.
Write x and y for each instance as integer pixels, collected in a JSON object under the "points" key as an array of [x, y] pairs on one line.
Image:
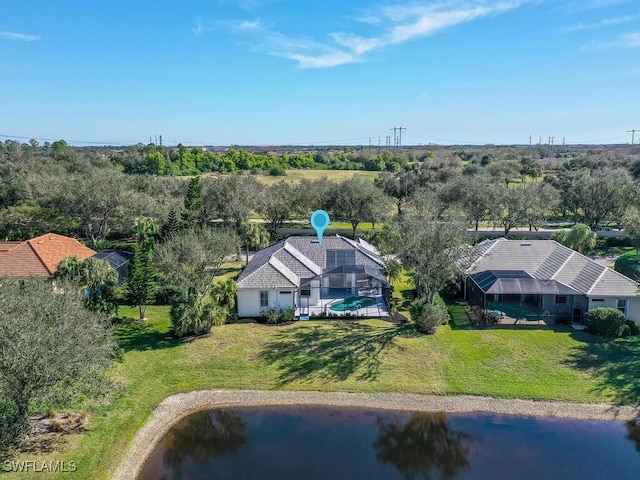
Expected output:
{"points": [[353, 303]]}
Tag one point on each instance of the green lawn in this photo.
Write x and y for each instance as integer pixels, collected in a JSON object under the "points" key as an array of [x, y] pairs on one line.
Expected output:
{"points": [[351, 356]]}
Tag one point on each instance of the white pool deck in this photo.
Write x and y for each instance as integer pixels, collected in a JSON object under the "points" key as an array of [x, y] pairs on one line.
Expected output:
{"points": [[378, 310]]}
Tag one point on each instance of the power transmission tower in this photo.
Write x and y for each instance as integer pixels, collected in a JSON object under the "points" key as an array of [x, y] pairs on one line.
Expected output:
{"points": [[400, 137], [529, 145], [395, 136], [551, 139], [633, 134]]}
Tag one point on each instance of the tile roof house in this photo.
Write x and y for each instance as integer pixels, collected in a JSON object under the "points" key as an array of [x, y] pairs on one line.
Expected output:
{"points": [[39, 256], [300, 272], [545, 278]]}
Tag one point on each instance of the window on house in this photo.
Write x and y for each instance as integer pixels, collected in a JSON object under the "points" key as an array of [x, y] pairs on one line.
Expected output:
{"points": [[264, 299], [305, 292], [594, 300], [562, 299], [622, 306]]}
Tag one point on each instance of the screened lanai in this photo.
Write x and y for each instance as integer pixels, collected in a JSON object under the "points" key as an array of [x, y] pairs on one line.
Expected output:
{"points": [[354, 289], [520, 295]]}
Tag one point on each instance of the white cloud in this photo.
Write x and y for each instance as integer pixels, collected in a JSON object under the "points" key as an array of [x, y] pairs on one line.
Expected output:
{"points": [[393, 25], [23, 37], [583, 5], [606, 22], [628, 40]]}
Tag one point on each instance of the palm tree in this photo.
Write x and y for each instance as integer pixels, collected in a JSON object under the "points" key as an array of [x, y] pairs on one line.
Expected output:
{"points": [[70, 269], [393, 270], [97, 276], [254, 237], [225, 293]]}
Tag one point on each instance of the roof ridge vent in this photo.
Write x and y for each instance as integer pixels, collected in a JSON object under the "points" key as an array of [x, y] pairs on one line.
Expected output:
{"points": [[526, 244]]}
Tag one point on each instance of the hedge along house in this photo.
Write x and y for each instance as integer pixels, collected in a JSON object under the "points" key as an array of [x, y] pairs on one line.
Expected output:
{"points": [[339, 276], [542, 279]]}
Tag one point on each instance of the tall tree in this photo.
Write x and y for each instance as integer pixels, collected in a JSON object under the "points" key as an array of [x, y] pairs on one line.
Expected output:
{"points": [[356, 201], [277, 203], [191, 262], [478, 197], [232, 198], [51, 349], [431, 247], [142, 285], [191, 215], [399, 187], [512, 207]]}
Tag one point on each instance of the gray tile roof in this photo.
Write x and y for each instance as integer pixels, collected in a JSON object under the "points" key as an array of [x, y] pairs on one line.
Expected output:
{"points": [[548, 260], [267, 277], [300, 257]]}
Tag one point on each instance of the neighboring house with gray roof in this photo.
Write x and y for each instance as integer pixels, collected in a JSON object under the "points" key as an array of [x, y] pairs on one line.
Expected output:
{"points": [[546, 278], [300, 272]]}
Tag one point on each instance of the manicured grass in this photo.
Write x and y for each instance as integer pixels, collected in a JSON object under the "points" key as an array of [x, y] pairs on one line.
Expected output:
{"points": [[352, 356]]}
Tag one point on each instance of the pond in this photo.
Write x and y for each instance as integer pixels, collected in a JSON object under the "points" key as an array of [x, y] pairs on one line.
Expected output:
{"points": [[338, 443]]}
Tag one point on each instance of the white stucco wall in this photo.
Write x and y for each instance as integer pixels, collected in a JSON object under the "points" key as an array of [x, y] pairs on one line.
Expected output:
{"points": [[633, 305], [633, 309], [249, 301]]}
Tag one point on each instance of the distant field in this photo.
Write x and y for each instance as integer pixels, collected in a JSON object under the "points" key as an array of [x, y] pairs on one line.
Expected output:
{"points": [[297, 175]]}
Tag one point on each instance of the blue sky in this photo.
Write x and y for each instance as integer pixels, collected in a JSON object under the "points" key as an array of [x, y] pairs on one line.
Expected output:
{"points": [[256, 72]]}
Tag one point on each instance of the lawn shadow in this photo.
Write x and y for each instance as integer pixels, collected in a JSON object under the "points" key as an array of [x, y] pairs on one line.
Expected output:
{"points": [[139, 335], [331, 354], [614, 364]]}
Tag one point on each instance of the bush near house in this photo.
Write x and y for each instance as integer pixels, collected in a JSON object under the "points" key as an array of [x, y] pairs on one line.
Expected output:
{"points": [[276, 316], [427, 317], [606, 322]]}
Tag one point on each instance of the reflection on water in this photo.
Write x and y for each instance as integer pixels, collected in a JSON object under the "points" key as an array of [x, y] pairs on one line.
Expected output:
{"points": [[633, 432], [329, 443], [423, 447], [204, 435]]}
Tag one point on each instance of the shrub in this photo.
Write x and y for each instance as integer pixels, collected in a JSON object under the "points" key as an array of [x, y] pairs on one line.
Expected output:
{"points": [[276, 316], [606, 322], [278, 171], [634, 328], [427, 317], [625, 332]]}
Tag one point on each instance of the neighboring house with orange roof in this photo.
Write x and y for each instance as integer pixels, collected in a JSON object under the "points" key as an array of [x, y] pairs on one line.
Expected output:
{"points": [[39, 256]]}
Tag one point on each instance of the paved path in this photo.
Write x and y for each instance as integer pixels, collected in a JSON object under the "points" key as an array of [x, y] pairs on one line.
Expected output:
{"points": [[176, 407]]}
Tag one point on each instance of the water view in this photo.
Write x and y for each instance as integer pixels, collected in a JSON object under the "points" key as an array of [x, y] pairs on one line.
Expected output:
{"points": [[323, 442]]}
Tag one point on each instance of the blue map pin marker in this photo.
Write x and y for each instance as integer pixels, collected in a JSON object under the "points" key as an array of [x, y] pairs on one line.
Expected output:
{"points": [[320, 221]]}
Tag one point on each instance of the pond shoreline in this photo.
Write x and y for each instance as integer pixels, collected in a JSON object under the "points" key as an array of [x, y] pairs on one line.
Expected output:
{"points": [[174, 408]]}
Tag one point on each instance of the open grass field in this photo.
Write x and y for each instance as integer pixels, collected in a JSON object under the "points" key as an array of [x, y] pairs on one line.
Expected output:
{"points": [[295, 176], [349, 356]]}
